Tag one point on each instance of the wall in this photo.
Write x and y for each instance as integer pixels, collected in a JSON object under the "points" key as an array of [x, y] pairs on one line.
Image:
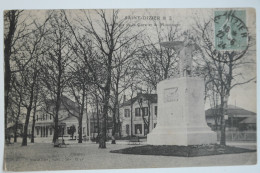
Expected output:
{"points": [[137, 120]]}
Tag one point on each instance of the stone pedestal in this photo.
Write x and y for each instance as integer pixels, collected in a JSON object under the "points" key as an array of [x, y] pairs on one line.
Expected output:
{"points": [[181, 115]]}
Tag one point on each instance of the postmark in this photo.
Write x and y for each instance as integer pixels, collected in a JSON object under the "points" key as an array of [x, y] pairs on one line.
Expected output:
{"points": [[231, 32]]}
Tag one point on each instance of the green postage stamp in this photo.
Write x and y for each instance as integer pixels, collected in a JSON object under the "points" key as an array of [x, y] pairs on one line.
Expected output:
{"points": [[231, 32]]}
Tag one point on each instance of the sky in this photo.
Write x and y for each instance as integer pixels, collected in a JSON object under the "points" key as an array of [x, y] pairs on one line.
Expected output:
{"points": [[145, 19]]}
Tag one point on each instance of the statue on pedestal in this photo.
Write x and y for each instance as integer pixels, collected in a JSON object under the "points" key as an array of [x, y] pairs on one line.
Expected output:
{"points": [[181, 114], [184, 50]]}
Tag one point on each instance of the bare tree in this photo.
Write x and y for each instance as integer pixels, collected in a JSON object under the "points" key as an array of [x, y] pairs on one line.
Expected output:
{"points": [[15, 30], [157, 63], [78, 88], [36, 102], [122, 75], [223, 67], [15, 105], [23, 38], [213, 98], [29, 77], [109, 34], [56, 62], [87, 70], [132, 90]]}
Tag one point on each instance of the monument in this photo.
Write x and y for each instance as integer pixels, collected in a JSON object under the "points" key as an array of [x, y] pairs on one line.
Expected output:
{"points": [[181, 115]]}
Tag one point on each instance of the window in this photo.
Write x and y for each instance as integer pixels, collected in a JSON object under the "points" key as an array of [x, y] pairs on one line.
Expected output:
{"points": [[50, 117], [68, 129], [154, 125], [50, 131], [137, 112], [37, 131], [127, 113], [84, 130], [127, 129], [145, 111], [138, 128], [36, 117], [155, 110]]}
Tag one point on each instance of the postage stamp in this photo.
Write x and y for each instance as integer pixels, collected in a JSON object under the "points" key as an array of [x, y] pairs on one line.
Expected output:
{"points": [[231, 32]]}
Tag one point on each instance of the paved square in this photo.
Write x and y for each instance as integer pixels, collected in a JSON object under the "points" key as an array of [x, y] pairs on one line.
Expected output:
{"points": [[43, 156]]}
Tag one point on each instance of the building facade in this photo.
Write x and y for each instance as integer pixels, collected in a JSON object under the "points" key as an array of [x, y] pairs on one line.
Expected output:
{"points": [[137, 113], [236, 118], [68, 113], [44, 120]]}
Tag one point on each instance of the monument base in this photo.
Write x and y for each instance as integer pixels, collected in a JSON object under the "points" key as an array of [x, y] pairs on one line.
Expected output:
{"points": [[180, 136], [181, 115]]}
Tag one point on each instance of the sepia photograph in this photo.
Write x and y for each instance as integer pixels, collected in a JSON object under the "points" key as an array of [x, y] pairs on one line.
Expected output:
{"points": [[129, 88]]}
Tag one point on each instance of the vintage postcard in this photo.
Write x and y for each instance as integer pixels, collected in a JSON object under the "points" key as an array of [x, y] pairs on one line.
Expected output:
{"points": [[129, 88]]}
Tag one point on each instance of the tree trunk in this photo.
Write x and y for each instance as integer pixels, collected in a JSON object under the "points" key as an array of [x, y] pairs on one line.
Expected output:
{"points": [[87, 119], [58, 99], [17, 121], [102, 141], [80, 129], [114, 120], [25, 130], [56, 120], [33, 123], [222, 133], [12, 16], [29, 108], [7, 88], [97, 108], [223, 112], [81, 114], [56, 130], [34, 113], [114, 128], [118, 123], [149, 117], [131, 114], [15, 132]]}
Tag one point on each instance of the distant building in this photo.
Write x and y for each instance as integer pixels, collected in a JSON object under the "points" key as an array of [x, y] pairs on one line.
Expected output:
{"points": [[237, 118], [135, 110], [132, 115], [44, 124]]}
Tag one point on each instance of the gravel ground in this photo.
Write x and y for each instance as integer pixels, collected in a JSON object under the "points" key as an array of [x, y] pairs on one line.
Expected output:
{"points": [[43, 156]]}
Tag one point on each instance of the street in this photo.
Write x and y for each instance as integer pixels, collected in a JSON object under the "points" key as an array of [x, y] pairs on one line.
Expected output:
{"points": [[43, 156]]}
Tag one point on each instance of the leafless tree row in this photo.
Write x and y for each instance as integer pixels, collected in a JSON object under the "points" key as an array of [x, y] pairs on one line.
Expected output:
{"points": [[94, 58]]}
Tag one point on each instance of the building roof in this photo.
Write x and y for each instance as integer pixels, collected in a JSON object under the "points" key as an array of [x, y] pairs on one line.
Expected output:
{"points": [[65, 101], [151, 97], [68, 103], [232, 110], [249, 120]]}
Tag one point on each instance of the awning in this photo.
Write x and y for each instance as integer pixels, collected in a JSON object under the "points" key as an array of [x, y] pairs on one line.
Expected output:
{"points": [[250, 120]]}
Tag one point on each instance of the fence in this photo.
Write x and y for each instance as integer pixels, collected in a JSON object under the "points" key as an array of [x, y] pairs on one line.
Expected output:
{"points": [[239, 135]]}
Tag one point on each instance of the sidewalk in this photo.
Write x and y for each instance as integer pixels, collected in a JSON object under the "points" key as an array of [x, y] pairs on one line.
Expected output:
{"points": [[243, 144], [142, 142], [41, 156]]}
